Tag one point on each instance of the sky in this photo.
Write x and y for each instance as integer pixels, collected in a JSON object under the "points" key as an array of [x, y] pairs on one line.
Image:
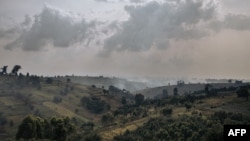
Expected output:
{"points": [[127, 38]]}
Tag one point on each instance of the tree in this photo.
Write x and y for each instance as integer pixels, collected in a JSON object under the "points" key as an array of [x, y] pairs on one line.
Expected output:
{"points": [[180, 83], [139, 98], [210, 91], [68, 80], [89, 126], [167, 111], [243, 92], [49, 80], [188, 106], [208, 88], [15, 69], [107, 118], [93, 137], [4, 70], [3, 119], [95, 104], [165, 93], [124, 100], [11, 123], [57, 99], [27, 129], [175, 91], [35, 127], [105, 91]]}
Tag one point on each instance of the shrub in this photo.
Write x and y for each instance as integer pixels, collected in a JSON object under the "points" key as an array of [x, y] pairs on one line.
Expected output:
{"points": [[94, 104], [57, 99], [167, 111]]}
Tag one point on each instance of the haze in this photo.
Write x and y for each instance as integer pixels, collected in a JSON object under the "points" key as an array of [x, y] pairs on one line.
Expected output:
{"points": [[127, 38]]}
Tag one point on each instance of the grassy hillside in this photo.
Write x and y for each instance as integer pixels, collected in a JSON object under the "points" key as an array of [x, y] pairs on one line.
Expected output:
{"points": [[113, 118], [19, 98], [205, 108]]}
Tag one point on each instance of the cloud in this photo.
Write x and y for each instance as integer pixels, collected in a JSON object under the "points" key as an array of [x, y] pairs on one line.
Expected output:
{"points": [[157, 24], [233, 21], [51, 26], [136, 1], [6, 33], [105, 1], [27, 21], [101, 0], [8, 27], [237, 21]]}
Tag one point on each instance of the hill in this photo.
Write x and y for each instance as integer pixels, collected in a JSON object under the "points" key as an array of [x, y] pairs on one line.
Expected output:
{"points": [[48, 97], [185, 89], [114, 114], [105, 82]]}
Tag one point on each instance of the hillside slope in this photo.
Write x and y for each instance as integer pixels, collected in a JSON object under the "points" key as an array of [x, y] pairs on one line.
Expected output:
{"points": [[19, 97]]}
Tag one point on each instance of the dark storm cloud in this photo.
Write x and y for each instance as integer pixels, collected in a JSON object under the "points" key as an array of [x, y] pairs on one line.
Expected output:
{"points": [[51, 26]]}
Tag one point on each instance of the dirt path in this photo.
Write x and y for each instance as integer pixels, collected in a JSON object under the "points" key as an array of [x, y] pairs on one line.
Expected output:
{"points": [[108, 133]]}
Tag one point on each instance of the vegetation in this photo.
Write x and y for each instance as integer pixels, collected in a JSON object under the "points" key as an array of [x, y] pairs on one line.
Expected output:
{"points": [[96, 113], [175, 91], [95, 104], [37, 128], [139, 98], [190, 128], [243, 92]]}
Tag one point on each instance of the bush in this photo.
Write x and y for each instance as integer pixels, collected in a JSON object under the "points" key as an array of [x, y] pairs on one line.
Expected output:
{"points": [[57, 99], [167, 111], [93, 137], [139, 98], [95, 105], [3, 119], [107, 118], [49, 80]]}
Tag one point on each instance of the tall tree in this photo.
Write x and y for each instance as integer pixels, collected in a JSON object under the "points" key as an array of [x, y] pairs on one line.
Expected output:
{"points": [[139, 98], [175, 91], [15, 69], [243, 92]]}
